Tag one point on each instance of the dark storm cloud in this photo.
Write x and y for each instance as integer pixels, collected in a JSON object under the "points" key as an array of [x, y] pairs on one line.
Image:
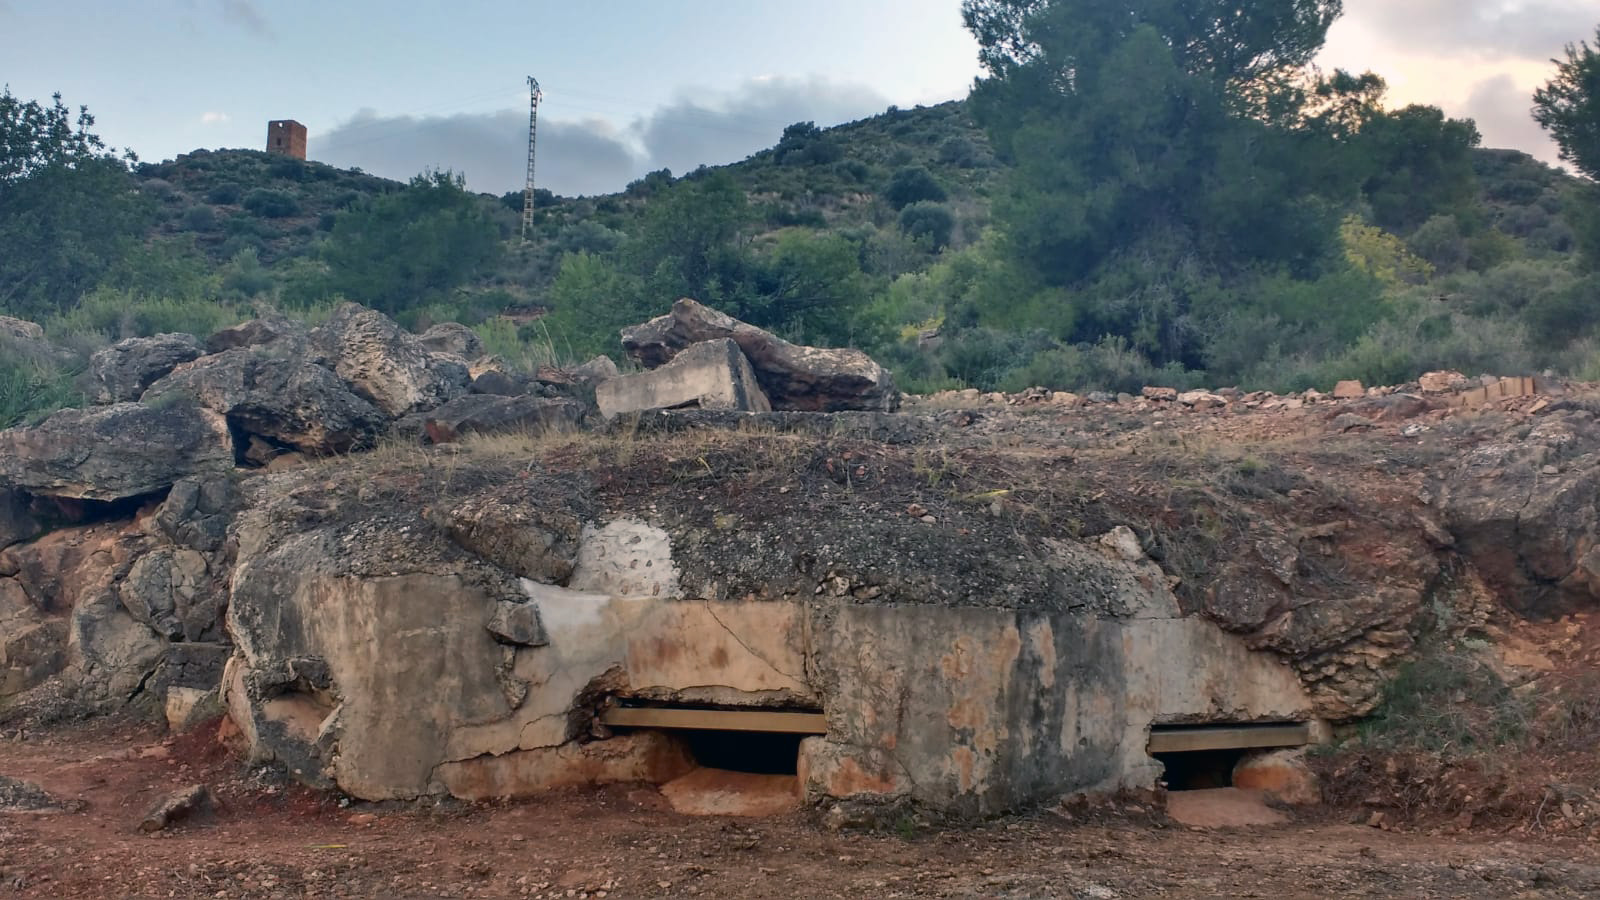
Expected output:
{"points": [[244, 14], [688, 133], [1504, 113], [1495, 28], [589, 157], [489, 148]]}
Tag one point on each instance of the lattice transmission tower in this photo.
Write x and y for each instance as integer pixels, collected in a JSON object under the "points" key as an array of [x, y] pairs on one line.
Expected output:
{"points": [[534, 96]]}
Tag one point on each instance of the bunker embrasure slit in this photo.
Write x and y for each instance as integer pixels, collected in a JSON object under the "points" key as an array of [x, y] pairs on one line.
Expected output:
{"points": [[1203, 757]]}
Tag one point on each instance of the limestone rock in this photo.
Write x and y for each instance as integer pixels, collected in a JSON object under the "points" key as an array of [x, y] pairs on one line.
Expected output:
{"points": [[197, 512], [187, 707], [1349, 390], [283, 334], [501, 384], [491, 414], [17, 523], [115, 452], [596, 371], [1282, 774], [518, 624], [537, 544], [1442, 382], [33, 645], [176, 807], [709, 375], [291, 401], [454, 339], [20, 329], [1160, 394], [173, 592], [387, 365], [121, 372], [793, 377]]}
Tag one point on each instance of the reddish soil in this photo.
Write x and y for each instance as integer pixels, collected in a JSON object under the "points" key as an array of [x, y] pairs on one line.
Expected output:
{"points": [[267, 839]]}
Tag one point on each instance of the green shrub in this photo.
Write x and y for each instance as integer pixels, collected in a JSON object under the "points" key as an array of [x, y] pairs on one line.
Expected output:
{"points": [[913, 184], [269, 204], [1447, 701], [32, 384], [929, 222], [224, 194]]}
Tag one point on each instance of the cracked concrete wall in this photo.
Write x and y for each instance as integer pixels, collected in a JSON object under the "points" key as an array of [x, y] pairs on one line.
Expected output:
{"points": [[397, 686]]}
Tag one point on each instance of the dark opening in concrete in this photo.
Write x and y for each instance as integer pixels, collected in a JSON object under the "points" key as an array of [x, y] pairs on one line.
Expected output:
{"points": [[1199, 770], [753, 752]]}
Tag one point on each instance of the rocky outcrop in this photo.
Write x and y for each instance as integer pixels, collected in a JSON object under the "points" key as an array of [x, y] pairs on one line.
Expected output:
{"points": [[278, 332], [121, 373], [17, 522], [452, 338], [793, 377], [491, 414], [708, 375], [385, 364], [20, 329], [288, 400], [114, 452]]}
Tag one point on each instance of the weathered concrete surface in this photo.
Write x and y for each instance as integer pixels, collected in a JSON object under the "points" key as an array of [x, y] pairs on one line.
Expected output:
{"points": [[114, 452], [649, 757], [387, 365], [708, 375], [714, 792]]}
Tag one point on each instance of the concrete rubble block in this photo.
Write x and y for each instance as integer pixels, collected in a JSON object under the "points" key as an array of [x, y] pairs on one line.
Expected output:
{"points": [[115, 452], [124, 370], [648, 757], [709, 375], [494, 414], [596, 371], [385, 364], [793, 377], [518, 624], [1349, 390], [1282, 774], [715, 792], [292, 402], [454, 339], [188, 707]]}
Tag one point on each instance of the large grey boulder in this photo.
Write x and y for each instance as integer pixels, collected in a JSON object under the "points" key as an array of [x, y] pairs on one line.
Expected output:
{"points": [[793, 377], [709, 375], [291, 401], [114, 452], [454, 339], [279, 332], [121, 372], [492, 414], [387, 365]]}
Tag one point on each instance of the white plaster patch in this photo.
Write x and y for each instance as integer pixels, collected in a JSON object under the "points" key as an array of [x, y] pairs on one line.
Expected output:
{"points": [[563, 610], [628, 558]]}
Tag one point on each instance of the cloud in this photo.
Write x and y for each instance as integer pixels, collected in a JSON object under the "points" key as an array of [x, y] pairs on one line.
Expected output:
{"points": [[214, 118], [245, 15], [689, 132], [1504, 113], [490, 149], [591, 156], [1482, 28]]}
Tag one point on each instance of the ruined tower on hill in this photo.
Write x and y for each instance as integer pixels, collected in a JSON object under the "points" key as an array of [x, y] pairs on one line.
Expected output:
{"points": [[286, 137]]}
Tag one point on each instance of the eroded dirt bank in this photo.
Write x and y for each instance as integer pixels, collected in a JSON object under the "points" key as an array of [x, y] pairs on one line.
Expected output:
{"points": [[272, 839]]}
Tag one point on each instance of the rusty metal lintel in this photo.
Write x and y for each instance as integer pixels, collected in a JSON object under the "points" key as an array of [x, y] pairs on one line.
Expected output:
{"points": [[716, 719], [1230, 737]]}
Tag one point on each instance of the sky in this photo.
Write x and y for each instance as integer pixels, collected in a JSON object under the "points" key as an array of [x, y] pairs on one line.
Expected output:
{"points": [[631, 86]]}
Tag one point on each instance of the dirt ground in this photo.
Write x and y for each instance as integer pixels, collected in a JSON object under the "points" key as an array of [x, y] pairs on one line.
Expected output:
{"points": [[269, 839]]}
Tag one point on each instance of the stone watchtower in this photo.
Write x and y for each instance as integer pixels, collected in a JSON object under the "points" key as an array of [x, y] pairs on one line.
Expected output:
{"points": [[286, 137]]}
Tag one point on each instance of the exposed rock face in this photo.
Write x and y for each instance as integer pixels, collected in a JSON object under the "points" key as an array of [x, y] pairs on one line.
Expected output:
{"points": [[114, 452], [20, 329], [793, 377], [708, 375], [491, 414], [17, 523], [454, 339], [385, 364], [1527, 512], [120, 373], [279, 332], [291, 401]]}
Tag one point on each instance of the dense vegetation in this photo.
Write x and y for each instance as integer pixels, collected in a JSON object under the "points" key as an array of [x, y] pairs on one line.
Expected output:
{"points": [[1135, 193]]}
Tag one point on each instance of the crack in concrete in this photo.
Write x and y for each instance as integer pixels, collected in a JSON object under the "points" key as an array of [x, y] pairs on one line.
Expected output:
{"points": [[751, 650]]}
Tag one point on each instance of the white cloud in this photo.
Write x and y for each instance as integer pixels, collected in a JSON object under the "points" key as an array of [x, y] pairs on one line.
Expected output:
{"points": [[214, 118]]}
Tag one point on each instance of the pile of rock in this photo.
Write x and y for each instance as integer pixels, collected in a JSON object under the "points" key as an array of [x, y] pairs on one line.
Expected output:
{"points": [[700, 358]]}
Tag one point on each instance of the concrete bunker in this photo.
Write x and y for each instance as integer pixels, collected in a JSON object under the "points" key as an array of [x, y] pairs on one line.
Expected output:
{"points": [[754, 741], [1204, 756]]}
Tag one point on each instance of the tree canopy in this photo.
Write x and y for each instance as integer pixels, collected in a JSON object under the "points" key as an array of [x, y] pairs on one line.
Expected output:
{"points": [[1568, 106]]}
